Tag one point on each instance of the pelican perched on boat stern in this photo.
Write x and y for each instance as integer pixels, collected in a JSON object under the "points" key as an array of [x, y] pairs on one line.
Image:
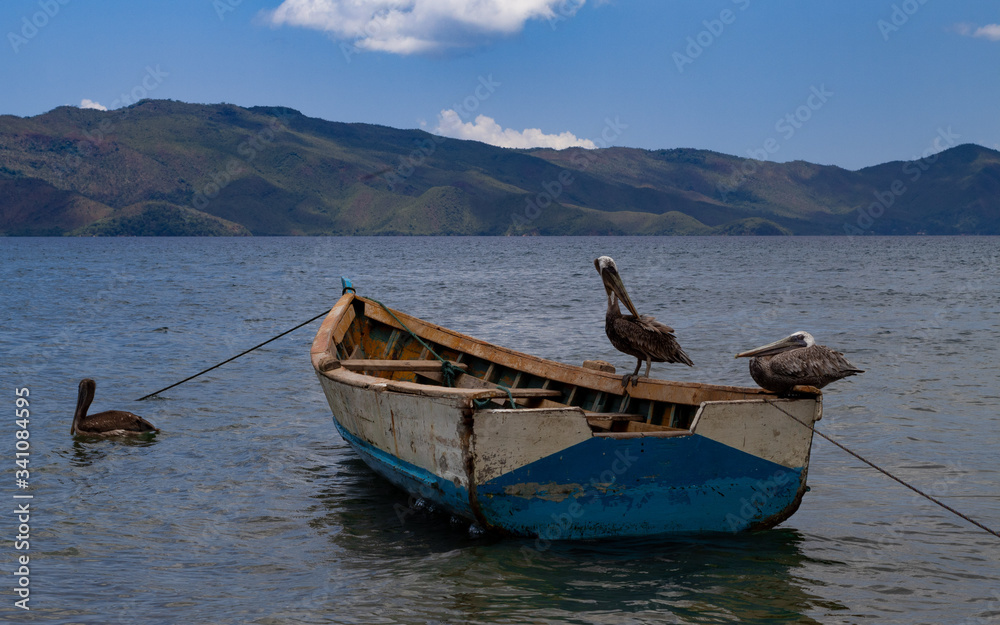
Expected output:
{"points": [[796, 360], [107, 423], [637, 335]]}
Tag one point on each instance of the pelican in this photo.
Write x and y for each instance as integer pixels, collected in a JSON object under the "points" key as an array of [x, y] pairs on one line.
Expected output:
{"points": [[636, 335], [796, 360], [108, 423]]}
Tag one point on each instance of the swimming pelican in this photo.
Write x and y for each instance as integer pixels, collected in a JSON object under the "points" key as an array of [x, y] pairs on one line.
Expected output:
{"points": [[796, 360], [636, 335], [108, 423]]}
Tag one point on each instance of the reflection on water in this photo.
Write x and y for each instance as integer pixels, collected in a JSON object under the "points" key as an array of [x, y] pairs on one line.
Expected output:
{"points": [[249, 508], [87, 449], [754, 578]]}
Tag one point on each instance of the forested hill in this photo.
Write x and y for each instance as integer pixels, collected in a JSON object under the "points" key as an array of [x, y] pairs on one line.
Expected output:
{"points": [[168, 168]]}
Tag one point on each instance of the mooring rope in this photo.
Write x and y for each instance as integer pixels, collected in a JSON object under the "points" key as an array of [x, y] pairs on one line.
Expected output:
{"points": [[449, 372], [326, 312], [886, 473]]}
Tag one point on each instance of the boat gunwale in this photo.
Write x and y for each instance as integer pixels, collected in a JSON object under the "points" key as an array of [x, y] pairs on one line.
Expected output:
{"points": [[648, 388]]}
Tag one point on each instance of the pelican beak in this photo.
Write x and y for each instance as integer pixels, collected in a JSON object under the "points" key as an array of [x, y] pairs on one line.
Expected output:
{"points": [[613, 284], [771, 348]]}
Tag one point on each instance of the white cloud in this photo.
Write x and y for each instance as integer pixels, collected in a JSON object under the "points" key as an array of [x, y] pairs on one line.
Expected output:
{"points": [[486, 129], [90, 104], [414, 26], [989, 31]]}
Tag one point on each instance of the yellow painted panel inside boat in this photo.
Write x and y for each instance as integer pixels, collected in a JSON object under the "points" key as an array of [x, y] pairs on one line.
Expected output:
{"points": [[342, 327]]}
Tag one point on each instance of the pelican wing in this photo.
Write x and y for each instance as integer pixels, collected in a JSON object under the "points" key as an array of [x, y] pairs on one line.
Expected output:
{"points": [[112, 420], [816, 365], [654, 325], [645, 336]]}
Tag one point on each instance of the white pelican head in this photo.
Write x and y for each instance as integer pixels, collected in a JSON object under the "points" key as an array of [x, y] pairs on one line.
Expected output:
{"points": [[613, 285], [795, 340]]}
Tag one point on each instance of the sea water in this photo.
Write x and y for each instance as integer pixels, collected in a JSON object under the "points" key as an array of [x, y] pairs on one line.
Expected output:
{"points": [[249, 508]]}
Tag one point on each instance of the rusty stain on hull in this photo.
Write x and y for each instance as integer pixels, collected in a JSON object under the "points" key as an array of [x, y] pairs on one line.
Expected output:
{"points": [[550, 491]]}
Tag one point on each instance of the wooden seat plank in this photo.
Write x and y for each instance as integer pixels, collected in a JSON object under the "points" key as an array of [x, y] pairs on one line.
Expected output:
{"points": [[521, 393], [394, 365], [614, 416]]}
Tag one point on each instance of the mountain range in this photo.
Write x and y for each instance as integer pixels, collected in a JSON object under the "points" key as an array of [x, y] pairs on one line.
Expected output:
{"points": [[162, 167]]}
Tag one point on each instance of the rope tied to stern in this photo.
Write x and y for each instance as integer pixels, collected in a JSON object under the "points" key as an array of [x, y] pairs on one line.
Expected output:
{"points": [[885, 472]]}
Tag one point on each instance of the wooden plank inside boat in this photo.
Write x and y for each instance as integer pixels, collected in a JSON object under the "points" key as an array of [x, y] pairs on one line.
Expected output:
{"points": [[395, 365], [690, 393]]}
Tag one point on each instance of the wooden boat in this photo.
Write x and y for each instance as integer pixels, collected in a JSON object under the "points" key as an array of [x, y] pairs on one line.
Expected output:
{"points": [[531, 447]]}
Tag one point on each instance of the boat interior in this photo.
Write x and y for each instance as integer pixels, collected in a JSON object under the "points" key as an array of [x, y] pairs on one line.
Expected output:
{"points": [[372, 340]]}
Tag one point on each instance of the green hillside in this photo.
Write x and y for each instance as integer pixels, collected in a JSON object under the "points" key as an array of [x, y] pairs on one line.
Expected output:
{"points": [[168, 168]]}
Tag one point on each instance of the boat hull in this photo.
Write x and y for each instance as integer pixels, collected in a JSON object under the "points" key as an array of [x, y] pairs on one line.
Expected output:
{"points": [[548, 471]]}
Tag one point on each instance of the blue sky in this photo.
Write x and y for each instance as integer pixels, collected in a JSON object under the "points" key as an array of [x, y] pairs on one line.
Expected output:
{"points": [[850, 83]]}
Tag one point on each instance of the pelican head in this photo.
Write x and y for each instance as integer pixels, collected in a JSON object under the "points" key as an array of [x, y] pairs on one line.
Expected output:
{"points": [[795, 340], [613, 282]]}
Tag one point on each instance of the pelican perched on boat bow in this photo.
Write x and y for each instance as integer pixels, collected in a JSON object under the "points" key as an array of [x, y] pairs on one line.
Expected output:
{"points": [[796, 360], [636, 335], [107, 423]]}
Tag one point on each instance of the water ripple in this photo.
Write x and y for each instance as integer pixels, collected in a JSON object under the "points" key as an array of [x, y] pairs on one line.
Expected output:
{"points": [[248, 508]]}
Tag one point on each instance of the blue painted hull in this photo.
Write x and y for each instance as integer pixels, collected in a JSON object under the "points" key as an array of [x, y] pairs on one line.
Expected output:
{"points": [[614, 487], [411, 478], [641, 486]]}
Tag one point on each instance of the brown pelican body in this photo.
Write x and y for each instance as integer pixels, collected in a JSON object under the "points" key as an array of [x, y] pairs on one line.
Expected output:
{"points": [[108, 423], [636, 335], [796, 360]]}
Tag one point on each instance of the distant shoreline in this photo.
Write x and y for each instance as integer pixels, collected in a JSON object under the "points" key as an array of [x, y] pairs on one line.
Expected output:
{"points": [[166, 168]]}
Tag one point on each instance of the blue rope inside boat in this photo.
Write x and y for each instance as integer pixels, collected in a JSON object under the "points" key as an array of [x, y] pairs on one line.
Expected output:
{"points": [[449, 372], [483, 403]]}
